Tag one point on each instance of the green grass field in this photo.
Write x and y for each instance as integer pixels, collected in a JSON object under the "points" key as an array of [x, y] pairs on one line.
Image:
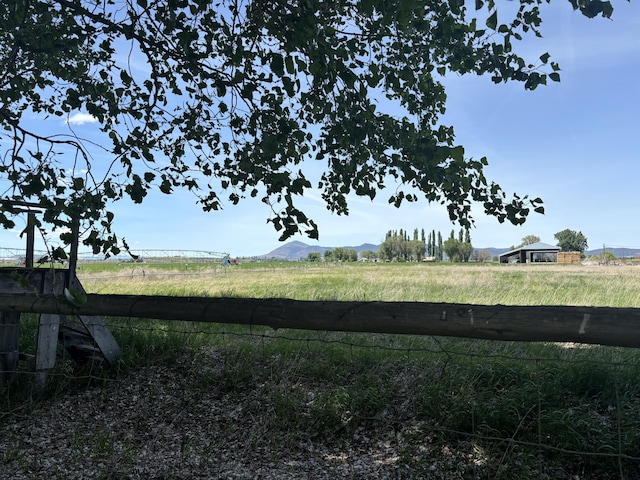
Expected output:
{"points": [[518, 410], [450, 283]]}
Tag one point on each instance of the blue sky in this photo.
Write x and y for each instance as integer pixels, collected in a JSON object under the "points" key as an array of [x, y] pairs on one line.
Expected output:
{"points": [[573, 143]]}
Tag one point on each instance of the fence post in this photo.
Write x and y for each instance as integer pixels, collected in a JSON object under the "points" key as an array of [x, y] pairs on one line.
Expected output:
{"points": [[48, 329], [29, 251], [73, 254], [9, 321], [8, 345]]}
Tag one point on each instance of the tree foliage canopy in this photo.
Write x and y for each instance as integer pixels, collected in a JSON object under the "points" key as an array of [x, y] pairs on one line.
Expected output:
{"points": [[458, 249], [398, 246], [232, 99], [571, 241], [529, 240]]}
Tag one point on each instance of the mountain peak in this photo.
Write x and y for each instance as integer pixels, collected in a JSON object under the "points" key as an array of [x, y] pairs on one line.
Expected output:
{"points": [[296, 250], [295, 244]]}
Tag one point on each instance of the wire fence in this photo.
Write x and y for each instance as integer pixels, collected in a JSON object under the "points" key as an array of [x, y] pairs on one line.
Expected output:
{"points": [[16, 257], [500, 409]]}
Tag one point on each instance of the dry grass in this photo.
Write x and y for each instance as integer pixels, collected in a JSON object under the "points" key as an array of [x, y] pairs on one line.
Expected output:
{"points": [[491, 284], [224, 401]]}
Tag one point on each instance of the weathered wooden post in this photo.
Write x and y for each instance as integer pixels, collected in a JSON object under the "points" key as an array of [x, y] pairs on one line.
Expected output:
{"points": [[86, 338], [31, 235], [10, 321], [8, 345], [73, 252], [90, 339], [48, 331]]}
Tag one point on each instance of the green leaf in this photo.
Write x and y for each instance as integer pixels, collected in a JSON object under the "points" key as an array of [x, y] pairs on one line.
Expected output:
{"points": [[277, 64], [492, 21], [289, 86], [165, 187], [221, 88], [124, 76], [136, 190], [74, 297], [289, 64], [58, 253], [78, 183]]}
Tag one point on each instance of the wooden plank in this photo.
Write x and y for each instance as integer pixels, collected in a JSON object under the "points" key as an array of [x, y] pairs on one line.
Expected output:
{"points": [[102, 336], [96, 327], [78, 342], [14, 280], [48, 328], [9, 322], [21, 280], [596, 325]]}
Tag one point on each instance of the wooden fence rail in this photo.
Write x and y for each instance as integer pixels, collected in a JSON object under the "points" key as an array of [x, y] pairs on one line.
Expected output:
{"points": [[594, 325]]}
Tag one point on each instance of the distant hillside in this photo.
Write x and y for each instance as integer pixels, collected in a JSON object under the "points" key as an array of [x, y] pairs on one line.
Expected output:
{"points": [[618, 252], [298, 250], [494, 252]]}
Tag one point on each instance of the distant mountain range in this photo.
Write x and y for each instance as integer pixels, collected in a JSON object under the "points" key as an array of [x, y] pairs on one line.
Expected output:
{"points": [[619, 252], [299, 251]]}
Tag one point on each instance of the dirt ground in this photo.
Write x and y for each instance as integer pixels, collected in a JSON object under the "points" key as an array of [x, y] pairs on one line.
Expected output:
{"points": [[147, 425], [157, 422]]}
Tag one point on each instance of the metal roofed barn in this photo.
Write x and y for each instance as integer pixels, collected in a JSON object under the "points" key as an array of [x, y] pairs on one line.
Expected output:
{"points": [[535, 252]]}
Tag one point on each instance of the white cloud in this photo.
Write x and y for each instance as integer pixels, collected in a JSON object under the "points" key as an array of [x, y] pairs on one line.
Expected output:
{"points": [[81, 119]]}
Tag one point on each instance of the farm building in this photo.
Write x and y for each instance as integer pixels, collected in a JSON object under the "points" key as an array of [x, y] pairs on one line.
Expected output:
{"points": [[535, 252]]}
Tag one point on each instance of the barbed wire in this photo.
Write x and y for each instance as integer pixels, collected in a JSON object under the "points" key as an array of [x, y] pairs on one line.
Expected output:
{"points": [[114, 325]]}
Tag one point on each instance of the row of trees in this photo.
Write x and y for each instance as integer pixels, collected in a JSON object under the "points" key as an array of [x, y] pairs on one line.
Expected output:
{"points": [[435, 248], [459, 249], [341, 255], [336, 255], [398, 245]]}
